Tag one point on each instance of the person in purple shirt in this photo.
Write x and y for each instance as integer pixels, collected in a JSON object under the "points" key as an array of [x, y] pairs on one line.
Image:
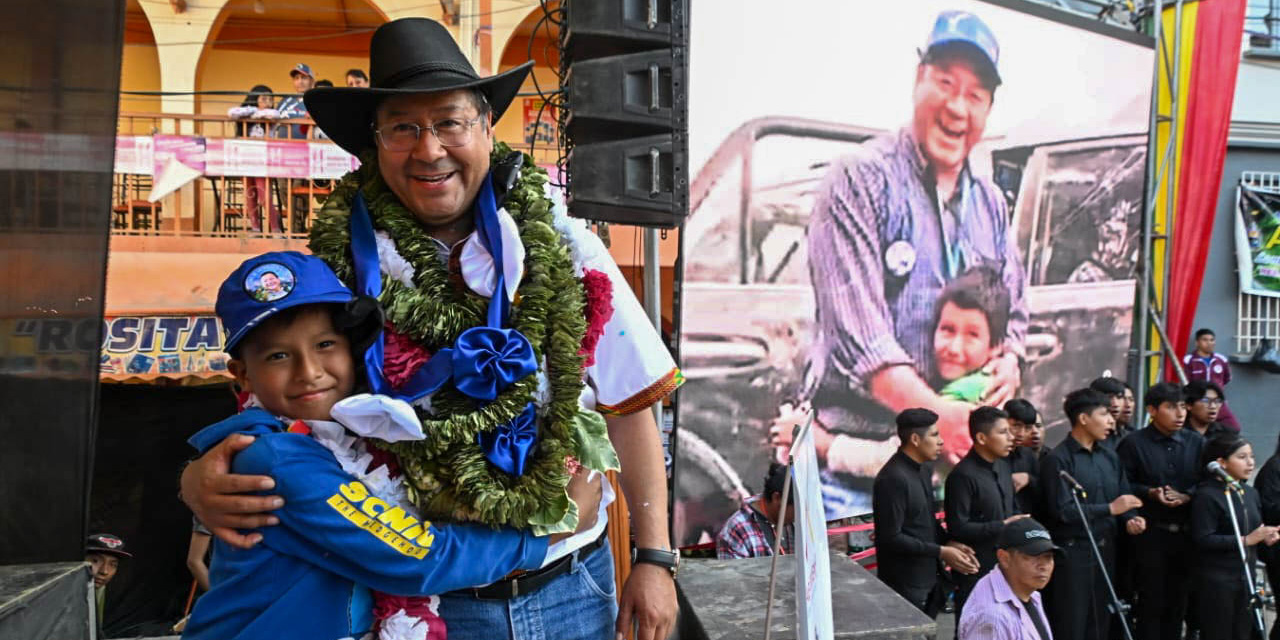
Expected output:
{"points": [[1203, 363], [1005, 604]]}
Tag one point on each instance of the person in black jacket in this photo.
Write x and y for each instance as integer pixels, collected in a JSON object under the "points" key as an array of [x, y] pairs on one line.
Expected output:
{"points": [[909, 540], [1027, 426], [1077, 598], [1225, 599], [1268, 484], [1114, 390], [1162, 462], [979, 497]]}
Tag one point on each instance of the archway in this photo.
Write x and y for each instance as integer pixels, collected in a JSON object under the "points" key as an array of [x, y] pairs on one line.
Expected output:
{"points": [[140, 63], [532, 38], [259, 42]]}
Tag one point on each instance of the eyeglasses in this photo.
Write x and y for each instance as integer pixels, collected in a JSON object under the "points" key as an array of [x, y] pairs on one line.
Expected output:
{"points": [[403, 136], [1210, 402]]}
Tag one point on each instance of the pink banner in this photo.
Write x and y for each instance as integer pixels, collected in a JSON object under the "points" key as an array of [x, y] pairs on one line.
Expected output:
{"points": [[236, 157], [212, 156], [288, 159], [134, 155], [189, 150], [330, 161]]}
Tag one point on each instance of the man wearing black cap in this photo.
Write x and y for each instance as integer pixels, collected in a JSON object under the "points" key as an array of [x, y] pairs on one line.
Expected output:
{"points": [[1077, 597], [892, 225], [461, 239], [1005, 604], [909, 539], [103, 552]]}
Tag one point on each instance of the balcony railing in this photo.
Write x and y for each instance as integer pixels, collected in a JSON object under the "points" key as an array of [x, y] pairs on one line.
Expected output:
{"points": [[199, 175]]}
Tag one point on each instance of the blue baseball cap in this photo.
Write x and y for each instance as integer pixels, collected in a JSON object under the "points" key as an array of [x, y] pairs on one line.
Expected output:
{"points": [[270, 283], [962, 27], [302, 68]]}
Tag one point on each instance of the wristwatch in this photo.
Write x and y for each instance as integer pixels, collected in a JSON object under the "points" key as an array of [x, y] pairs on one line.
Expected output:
{"points": [[669, 560]]}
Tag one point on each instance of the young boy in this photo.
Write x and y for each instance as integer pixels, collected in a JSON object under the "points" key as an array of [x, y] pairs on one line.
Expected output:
{"points": [[345, 526], [969, 326]]}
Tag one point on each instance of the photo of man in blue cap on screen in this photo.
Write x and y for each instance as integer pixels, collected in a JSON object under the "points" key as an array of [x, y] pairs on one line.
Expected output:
{"points": [[906, 213]]}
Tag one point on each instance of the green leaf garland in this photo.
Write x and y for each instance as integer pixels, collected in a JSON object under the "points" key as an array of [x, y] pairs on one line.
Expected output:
{"points": [[447, 474]]}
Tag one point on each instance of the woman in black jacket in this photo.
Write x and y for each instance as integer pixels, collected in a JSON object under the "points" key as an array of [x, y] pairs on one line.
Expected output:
{"points": [[1224, 596]]}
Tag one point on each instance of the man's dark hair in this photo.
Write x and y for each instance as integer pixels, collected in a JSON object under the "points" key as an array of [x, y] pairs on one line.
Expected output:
{"points": [[1161, 393], [357, 73], [984, 419], [1083, 401], [943, 54], [1196, 390], [1205, 331], [1221, 446], [270, 272], [915, 421], [323, 83], [774, 480], [1108, 386], [1021, 410], [978, 288]]}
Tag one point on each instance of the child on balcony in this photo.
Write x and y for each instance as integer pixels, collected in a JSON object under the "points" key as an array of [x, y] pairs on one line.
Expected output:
{"points": [[257, 108]]}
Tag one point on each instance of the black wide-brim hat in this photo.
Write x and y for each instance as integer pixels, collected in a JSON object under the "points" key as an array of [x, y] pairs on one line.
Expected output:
{"points": [[406, 56]]}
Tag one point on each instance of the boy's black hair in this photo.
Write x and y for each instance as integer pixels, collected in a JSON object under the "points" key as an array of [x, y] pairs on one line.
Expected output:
{"points": [[978, 288], [1021, 410], [774, 480], [1221, 446], [1083, 401], [357, 73], [1161, 393], [1205, 331], [984, 419], [1109, 386], [1196, 390], [915, 421], [323, 83]]}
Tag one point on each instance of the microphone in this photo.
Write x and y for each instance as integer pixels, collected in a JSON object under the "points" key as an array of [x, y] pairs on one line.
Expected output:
{"points": [[1216, 469], [1062, 473]]}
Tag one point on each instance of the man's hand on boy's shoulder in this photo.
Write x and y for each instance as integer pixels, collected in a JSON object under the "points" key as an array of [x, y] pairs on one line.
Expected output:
{"points": [[223, 501]]}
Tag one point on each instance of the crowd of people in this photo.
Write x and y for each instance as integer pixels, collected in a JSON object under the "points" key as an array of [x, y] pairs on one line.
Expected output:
{"points": [[254, 116], [1153, 502]]}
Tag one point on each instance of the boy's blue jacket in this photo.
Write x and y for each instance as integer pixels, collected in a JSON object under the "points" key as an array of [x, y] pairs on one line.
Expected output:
{"points": [[310, 576]]}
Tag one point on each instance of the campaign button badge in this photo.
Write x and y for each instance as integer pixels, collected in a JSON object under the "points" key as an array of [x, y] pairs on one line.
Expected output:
{"points": [[900, 258], [269, 282]]}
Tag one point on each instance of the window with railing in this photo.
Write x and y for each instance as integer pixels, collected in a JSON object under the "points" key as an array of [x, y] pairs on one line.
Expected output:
{"points": [[209, 175], [1257, 316], [1262, 26]]}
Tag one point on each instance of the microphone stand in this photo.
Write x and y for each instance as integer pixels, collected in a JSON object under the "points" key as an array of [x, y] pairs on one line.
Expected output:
{"points": [[1250, 588], [1117, 606]]}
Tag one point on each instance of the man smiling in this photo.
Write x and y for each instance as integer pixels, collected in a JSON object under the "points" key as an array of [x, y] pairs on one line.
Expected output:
{"points": [[478, 268], [891, 226]]}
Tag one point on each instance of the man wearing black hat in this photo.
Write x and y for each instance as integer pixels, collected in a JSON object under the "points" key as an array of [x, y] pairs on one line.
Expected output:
{"points": [[909, 540], [1005, 604], [457, 239], [893, 224], [103, 552]]}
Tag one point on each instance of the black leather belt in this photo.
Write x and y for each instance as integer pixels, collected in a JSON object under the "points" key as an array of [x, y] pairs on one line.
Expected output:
{"points": [[527, 583]]}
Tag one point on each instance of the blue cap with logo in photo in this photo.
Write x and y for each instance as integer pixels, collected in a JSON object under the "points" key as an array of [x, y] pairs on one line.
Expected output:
{"points": [[301, 67], [270, 283], [962, 27]]}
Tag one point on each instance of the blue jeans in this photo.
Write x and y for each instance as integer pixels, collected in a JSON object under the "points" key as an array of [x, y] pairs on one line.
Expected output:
{"points": [[581, 604]]}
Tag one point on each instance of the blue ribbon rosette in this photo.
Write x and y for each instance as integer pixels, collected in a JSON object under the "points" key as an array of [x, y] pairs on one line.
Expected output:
{"points": [[483, 361]]}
